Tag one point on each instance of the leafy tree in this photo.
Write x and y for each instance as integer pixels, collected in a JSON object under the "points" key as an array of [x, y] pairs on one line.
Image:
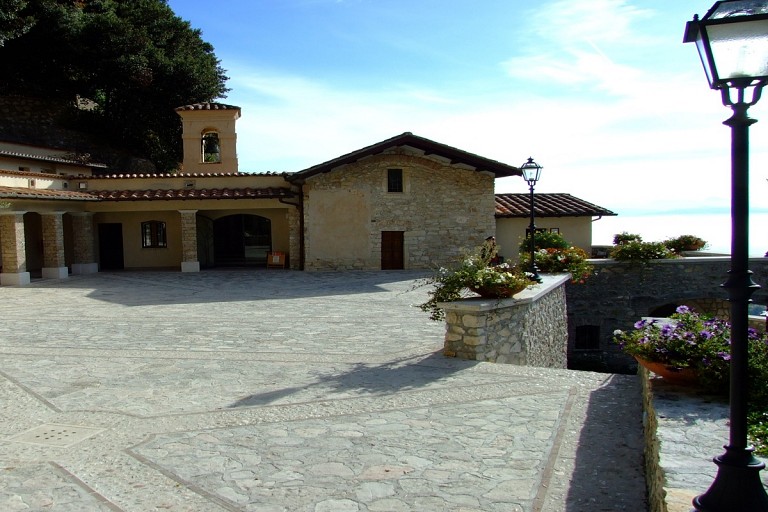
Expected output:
{"points": [[12, 22], [134, 61]]}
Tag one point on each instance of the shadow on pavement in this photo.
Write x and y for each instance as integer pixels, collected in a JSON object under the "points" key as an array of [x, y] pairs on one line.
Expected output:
{"points": [[608, 473], [400, 375], [138, 287]]}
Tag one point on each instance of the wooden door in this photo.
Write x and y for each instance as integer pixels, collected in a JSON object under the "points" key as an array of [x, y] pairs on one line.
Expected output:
{"points": [[392, 250]]}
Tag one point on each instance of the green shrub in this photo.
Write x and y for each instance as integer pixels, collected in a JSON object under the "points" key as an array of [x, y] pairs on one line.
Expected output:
{"points": [[624, 237], [543, 240], [684, 243], [553, 254], [554, 260], [641, 251]]}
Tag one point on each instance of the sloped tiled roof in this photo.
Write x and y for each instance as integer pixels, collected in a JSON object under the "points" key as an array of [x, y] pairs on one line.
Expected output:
{"points": [[207, 106], [192, 194], [126, 176], [30, 174], [48, 158], [44, 193], [547, 205], [429, 147]]}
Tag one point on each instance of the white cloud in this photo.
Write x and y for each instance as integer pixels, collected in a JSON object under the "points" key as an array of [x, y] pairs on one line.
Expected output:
{"points": [[617, 134], [569, 22]]}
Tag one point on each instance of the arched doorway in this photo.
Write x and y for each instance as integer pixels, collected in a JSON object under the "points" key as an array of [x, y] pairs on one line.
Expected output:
{"points": [[241, 240]]}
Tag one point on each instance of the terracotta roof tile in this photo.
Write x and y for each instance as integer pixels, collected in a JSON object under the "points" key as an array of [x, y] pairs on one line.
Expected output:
{"points": [[192, 194], [30, 174], [44, 193], [547, 205], [182, 175], [46, 158], [207, 106]]}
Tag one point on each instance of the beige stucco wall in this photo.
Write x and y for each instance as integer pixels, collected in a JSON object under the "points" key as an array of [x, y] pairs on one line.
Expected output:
{"points": [[36, 181], [443, 211], [182, 181], [134, 255], [511, 232], [138, 257], [344, 215]]}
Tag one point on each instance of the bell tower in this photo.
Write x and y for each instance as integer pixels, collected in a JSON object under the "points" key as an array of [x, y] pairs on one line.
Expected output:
{"points": [[209, 137]]}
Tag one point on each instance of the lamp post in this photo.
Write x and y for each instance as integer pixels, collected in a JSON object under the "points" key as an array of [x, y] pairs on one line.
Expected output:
{"points": [[732, 39], [531, 174]]}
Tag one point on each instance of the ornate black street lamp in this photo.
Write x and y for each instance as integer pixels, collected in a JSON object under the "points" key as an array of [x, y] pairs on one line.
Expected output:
{"points": [[531, 174], [732, 39]]}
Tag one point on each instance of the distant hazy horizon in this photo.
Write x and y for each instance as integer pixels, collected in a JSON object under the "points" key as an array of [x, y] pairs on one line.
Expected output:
{"points": [[714, 228]]}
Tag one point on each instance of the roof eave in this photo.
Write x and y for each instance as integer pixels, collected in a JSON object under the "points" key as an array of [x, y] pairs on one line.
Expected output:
{"points": [[429, 147]]}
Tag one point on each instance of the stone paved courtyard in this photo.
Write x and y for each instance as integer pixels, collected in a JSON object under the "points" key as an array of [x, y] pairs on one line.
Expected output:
{"points": [[272, 390]]}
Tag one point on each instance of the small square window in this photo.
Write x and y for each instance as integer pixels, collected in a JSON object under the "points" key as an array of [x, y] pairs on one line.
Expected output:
{"points": [[394, 180], [153, 234], [587, 337]]}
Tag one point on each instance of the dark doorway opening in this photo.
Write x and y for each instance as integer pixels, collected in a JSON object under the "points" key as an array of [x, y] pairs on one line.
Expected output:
{"points": [[111, 246], [241, 240], [392, 250]]}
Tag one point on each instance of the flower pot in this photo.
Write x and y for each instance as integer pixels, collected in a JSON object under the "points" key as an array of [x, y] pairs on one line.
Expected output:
{"points": [[497, 291], [672, 374]]}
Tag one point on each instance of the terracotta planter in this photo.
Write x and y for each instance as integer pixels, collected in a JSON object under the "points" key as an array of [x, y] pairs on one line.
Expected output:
{"points": [[496, 292], [673, 375]]}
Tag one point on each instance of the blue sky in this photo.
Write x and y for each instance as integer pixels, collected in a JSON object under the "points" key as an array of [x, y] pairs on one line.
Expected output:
{"points": [[602, 93]]}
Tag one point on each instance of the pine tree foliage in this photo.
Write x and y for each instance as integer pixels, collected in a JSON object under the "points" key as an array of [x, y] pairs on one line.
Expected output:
{"points": [[131, 61]]}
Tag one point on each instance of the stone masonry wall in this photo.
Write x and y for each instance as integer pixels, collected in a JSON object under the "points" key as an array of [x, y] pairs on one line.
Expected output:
{"points": [[188, 235], [444, 210], [83, 236], [529, 329], [13, 246], [620, 293], [294, 243], [53, 240]]}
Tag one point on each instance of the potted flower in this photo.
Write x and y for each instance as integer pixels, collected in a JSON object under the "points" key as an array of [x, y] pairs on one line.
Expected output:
{"points": [[475, 273], [685, 243], [701, 345], [553, 254], [686, 347]]}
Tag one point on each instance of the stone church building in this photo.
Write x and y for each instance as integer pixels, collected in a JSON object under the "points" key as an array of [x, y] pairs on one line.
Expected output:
{"points": [[403, 203]]}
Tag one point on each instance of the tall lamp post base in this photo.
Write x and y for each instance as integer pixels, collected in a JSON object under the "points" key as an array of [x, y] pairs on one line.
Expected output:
{"points": [[737, 486]]}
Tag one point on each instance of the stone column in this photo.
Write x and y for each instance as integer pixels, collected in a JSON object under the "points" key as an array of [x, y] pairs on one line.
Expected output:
{"points": [[13, 248], [54, 266], [84, 244], [189, 261], [294, 238]]}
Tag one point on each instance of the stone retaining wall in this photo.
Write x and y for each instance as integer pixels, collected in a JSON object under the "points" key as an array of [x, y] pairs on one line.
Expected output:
{"points": [[654, 474], [620, 293], [529, 329]]}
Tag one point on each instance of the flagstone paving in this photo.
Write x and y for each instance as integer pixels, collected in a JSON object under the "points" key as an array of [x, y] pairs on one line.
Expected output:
{"points": [[274, 390]]}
